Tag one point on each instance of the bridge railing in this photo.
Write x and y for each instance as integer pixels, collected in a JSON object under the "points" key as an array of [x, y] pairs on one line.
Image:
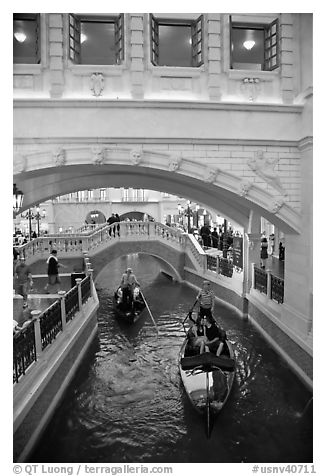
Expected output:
{"points": [[31, 341], [267, 283]]}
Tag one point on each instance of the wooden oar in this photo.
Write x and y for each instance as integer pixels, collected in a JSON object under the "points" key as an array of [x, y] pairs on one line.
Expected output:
{"points": [[189, 312], [150, 313]]}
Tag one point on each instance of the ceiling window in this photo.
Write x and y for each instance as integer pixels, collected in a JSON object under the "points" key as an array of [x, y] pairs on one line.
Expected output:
{"points": [[254, 46], [96, 39], [176, 42], [26, 38]]}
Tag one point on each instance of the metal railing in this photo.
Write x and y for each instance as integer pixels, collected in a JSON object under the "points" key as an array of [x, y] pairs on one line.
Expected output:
{"points": [[44, 329], [24, 351]]}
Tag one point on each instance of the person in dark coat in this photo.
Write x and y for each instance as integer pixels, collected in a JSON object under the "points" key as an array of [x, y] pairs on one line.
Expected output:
{"points": [[215, 238], [110, 221], [205, 234], [263, 252], [117, 219]]}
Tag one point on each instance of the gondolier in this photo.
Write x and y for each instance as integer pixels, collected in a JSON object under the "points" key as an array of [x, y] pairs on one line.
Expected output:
{"points": [[128, 283], [206, 301]]}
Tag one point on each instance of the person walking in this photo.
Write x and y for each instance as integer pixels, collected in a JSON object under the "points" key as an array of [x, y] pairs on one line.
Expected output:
{"points": [[24, 279], [53, 270], [206, 301], [117, 219], [263, 252], [110, 221]]}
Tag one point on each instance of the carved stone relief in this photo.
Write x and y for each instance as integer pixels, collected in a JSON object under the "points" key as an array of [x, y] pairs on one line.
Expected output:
{"points": [[250, 88], [97, 84], [175, 163], [264, 168], [210, 174], [244, 187], [59, 156], [98, 155], [277, 205], [136, 157]]}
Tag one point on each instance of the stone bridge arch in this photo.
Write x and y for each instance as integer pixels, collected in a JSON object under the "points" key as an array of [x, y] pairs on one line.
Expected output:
{"points": [[173, 259], [235, 194]]}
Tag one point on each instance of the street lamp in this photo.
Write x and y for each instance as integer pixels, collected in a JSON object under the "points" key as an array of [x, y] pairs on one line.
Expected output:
{"points": [[197, 208], [17, 199], [39, 217]]}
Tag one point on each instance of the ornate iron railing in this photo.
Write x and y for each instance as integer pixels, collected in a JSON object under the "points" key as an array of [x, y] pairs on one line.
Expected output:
{"points": [[225, 267], [277, 292], [50, 324], [71, 303], [24, 351], [85, 288], [212, 263], [260, 280]]}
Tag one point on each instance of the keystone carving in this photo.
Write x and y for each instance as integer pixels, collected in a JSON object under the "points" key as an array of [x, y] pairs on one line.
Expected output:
{"points": [[59, 157], [97, 84], [250, 87], [98, 156], [20, 163], [174, 163], [135, 157], [210, 175], [244, 188], [277, 205], [264, 168]]}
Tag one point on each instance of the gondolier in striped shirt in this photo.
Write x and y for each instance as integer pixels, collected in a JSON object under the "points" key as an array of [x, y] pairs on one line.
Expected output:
{"points": [[206, 301]]}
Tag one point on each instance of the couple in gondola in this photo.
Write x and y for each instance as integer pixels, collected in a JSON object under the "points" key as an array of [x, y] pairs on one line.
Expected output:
{"points": [[205, 335]]}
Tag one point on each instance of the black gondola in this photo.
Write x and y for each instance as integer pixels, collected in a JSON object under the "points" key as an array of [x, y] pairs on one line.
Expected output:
{"points": [[129, 311], [207, 379]]}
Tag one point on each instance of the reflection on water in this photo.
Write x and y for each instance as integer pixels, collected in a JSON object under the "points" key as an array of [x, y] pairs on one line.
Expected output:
{"points": [[127, 403]]}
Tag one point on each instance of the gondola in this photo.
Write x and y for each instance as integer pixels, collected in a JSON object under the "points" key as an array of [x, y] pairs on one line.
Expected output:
{"points": [[130, 313], [207, 379]]}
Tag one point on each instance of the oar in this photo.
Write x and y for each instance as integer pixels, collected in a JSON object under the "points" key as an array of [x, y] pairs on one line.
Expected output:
{"points": [[189, 312], [150, 312]]}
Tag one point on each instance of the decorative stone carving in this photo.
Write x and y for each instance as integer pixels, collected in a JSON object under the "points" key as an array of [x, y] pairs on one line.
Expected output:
{"points": [[250, 87], [277, 205], [98, 155], [264, 168], [244, 187], [175, 163], [97, 84], [210, 174], [136, 157], [20, 163], [59, 156]]}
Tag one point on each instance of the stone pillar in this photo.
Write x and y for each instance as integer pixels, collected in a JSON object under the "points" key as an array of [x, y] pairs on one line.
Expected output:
{"points": [[56, 54], [251, 250], [287, 57], [80, 303], [214, 55], [63, 309], [37, 330], [137, 55], [90, 273]]}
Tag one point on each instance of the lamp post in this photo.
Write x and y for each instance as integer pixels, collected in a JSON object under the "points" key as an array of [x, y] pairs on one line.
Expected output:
{"points": [[188, 214], [225, 240], [197, 208], [17, 199], [39, 217]]}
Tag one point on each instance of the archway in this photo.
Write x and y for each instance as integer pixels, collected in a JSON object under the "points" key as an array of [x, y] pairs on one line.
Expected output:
{"points": [[95, 217], [137, 216]]}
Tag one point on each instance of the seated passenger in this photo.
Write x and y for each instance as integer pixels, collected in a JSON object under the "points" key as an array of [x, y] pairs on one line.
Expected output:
{"points": [[197, 336], [215, 337]]}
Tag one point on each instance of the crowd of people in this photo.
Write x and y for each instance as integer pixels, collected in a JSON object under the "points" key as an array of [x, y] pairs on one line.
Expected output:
{"points": [[114, 218]]}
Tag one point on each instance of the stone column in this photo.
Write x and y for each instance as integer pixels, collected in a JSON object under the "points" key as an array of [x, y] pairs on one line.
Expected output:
{"points": [[56, 54], [80, 303], [90, 273], [251, 250], [137, 55], [214, 55]]}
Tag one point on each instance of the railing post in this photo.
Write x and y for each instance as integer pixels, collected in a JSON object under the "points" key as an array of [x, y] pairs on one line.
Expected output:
{"points": [[253, 275], [78, 282], [37, 332], [63, 309], [217, 265], [269, 284], [90, 273]]}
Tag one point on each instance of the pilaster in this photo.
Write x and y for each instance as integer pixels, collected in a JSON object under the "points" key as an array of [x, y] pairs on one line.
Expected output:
{"points": [[137, 55], [214, 55], [287, 57], [56, 54]]}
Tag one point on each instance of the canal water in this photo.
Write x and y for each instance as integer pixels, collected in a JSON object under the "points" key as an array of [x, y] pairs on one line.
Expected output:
{"points": [[127, 403]]}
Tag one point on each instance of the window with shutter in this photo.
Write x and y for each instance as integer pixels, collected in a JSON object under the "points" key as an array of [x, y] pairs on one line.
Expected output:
{"points": [[175, 42], [74, 38], [26, 38], [119, 39], [271, 50]]}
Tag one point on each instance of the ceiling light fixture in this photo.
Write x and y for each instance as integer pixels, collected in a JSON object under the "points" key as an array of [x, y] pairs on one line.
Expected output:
{"points": [[20, 36], [249, 44]]}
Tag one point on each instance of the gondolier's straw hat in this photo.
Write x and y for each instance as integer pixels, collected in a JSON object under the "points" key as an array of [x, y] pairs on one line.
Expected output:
{"points": [[129, 270]]}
